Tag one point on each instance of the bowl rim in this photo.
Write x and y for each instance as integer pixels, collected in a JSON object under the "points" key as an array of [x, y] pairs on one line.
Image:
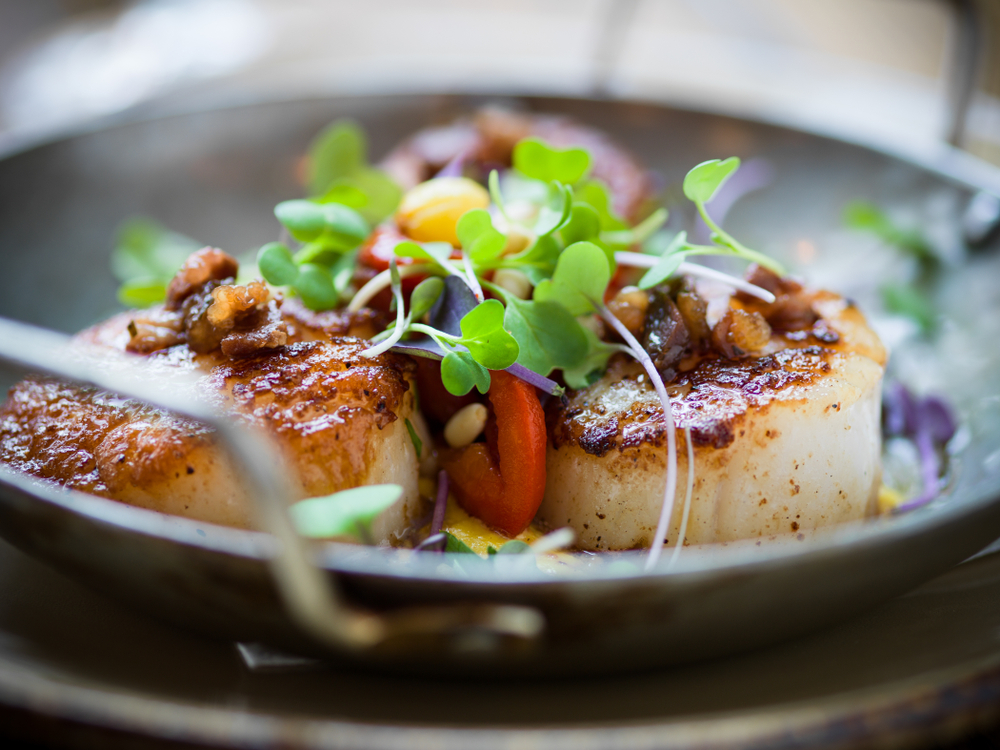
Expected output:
{"points": [[942, 160]]}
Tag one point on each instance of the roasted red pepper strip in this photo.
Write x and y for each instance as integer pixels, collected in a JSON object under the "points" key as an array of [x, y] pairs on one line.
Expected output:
{"points": [[504, 493]]}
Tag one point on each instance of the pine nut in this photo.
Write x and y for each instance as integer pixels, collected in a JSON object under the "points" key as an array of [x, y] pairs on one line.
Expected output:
{"points": [[514, 281], [465, 425]]}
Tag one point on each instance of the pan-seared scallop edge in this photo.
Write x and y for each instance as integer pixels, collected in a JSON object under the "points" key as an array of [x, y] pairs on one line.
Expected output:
{"points": [[794, 446]]}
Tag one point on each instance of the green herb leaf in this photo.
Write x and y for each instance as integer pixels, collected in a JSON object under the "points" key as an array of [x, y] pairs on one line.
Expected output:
{"points": [[481, 241], [538, 262], [342, 272], [556, 210], [703, 182], [910, 302], [868, 217], [145, 251], [432, 252], [584, 224], [350, 512], [142, 292], [595, 193], [640, 232], [318, 253], [484, 336], [582, 274], [668, 264], [330, 225], [495, 194], [418, 444], [534, 158], [315, 285], [589, 370], [276, 265], [337, 152], [424, 296], [460, 373], [454, 544], [344, 227], [548, 336], [371, 192], [304, 219]]}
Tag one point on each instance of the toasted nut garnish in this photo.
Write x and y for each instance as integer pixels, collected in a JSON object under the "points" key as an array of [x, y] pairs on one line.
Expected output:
{"points": [[465, 425], [513, 281], [629, 306]]}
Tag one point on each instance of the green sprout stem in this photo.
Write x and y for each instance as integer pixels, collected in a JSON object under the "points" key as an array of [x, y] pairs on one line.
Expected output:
{"points": [[642, 260], [737, 247], [383, 280], [400, 327], [470, 278], [444, 340]]}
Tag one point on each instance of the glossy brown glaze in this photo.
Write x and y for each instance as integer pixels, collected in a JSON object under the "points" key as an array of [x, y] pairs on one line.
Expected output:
{"points": [[90, 440], [711, 400], [330, 411], [711, 394]]}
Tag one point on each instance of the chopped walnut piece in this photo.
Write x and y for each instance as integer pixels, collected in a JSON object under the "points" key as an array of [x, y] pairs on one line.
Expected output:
{"points": [[230, 302], [208, 264], [739, 333], [268, 331], [202, 336], [792, 307]]}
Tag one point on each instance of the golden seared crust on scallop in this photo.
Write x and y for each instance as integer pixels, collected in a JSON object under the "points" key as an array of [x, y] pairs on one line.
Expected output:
{"points": [[786, 440], [337, 417]]}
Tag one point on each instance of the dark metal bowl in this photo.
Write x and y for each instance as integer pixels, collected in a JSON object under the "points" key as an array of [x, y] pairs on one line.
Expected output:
{"points": [[216, 175]]}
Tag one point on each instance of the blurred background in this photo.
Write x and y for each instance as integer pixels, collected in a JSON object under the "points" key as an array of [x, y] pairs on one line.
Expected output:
{"points": [[907, 73]]}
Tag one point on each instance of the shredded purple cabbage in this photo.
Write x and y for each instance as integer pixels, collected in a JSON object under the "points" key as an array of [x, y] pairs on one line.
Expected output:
{"points": [[930, 424], [440, 502]]}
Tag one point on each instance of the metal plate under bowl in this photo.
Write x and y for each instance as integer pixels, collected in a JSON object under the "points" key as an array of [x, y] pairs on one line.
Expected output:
{"points": [[216, 175]]}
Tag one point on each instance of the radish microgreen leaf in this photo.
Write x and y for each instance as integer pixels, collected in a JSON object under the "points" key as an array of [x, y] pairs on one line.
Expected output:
{"points": [[276, 265], [480, 240], [582, 274], [535, 158], [486, 339], [460, 373], [703, 182], [346, 513]]}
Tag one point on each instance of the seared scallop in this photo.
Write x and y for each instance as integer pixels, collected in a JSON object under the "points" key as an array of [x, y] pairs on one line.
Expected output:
{"points": [[337, 418], [785, 439]]}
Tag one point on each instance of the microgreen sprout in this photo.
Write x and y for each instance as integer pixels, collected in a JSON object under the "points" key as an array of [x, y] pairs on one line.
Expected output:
{"points": [[400, 327], [317, 271], [702, 184], [346, 513], [338, 172], [145, 258], [676, 265]]}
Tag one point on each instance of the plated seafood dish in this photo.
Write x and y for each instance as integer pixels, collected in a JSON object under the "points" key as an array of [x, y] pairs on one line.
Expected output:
{"points": [[494, 341]]}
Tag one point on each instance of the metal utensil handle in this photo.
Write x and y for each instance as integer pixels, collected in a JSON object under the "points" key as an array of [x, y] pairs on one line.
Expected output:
{"points": [[312, 597]]}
